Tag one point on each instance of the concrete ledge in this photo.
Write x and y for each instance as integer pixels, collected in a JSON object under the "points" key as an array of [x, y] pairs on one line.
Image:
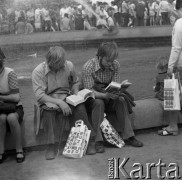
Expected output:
{"points": [[137, 36], [148, 113]]}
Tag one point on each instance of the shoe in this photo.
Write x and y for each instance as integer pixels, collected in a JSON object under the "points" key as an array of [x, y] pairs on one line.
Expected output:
{"points": [[20, 159], [3, 157], [165, 132], [99, 146], [132, 141], [91, 148], [50, 152]]}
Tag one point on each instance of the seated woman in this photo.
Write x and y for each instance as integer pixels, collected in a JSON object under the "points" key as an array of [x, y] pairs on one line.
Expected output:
{"points": [[11, 110]]}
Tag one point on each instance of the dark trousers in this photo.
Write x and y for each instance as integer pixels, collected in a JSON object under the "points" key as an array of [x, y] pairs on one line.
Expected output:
{"points": [[51, 121], [97, 108], [140, 21], [165, 18]]}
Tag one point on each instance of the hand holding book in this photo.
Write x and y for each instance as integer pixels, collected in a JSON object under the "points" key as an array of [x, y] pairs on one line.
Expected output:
{"points": [[115, 87]]}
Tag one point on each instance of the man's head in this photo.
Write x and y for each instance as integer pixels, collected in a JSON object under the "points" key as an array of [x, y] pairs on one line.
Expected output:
{"points": [[179, 7], [2, 57], [107, 53], [55, 58]]}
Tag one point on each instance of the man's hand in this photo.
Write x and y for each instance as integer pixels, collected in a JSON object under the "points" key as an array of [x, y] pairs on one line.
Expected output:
{"points": [[111, 96], [169, 72], [64, 107]]}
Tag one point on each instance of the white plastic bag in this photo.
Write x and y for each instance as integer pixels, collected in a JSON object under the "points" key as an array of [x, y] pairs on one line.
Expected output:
{"points": [[172, 94], [77, 142], [110, 134]]}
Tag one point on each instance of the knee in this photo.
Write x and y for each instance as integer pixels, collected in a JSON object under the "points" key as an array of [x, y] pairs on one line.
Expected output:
{"points": [[3, 119], [12, 119], [99, 103]]}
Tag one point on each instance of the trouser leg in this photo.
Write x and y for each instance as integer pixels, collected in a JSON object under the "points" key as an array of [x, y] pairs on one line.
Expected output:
{"points": [[96, 108], [120, 107], [79, 113], [49, 125]]}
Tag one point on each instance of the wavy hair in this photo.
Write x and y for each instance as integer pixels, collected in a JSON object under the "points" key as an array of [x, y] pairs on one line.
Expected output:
{"points": [[56, 57]]}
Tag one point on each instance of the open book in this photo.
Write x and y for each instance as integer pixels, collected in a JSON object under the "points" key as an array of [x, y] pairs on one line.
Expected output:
{"points": [[81, 97], [115, 87]]}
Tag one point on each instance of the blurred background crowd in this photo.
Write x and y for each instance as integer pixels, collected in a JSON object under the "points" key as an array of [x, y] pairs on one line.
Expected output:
{"points": [[28, 16]]}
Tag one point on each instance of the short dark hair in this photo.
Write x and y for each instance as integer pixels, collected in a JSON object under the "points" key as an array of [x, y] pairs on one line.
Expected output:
{"points": [[108, 49], [178, 4], [2, 56]]}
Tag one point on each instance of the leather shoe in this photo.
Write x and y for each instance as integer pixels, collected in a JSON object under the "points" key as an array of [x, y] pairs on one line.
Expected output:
{"points": [[99, 146], [133, 142], [50, 152], [91, 148], [3, 158]]}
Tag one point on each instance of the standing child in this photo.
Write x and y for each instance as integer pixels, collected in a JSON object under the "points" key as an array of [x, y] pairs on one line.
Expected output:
{"points": [[146, 16], [161, 66]]}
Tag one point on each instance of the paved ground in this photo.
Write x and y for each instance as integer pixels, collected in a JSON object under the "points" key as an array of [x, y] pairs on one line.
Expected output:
{"points": [[168, 149]]}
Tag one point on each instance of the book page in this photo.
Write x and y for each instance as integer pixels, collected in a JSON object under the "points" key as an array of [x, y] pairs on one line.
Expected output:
{"points": [[84, 92], [112, 85], [74, 100]]}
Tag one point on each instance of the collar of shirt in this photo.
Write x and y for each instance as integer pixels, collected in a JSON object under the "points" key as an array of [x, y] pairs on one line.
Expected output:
{"points": [[47, 69], [99, 66]]}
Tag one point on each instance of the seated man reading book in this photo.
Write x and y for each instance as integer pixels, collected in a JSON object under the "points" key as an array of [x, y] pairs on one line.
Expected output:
{"points": [[53, 81], [97, 74]]}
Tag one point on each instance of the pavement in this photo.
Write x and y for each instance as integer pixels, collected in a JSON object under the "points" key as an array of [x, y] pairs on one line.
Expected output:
{"points": [[95, 167]]}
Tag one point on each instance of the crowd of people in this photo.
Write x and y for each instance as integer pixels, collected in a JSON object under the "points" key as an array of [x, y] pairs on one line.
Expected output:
{"points": [[23, 19]]}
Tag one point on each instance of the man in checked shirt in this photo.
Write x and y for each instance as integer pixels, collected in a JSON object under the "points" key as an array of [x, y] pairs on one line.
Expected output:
{"points": [[98, 72]]}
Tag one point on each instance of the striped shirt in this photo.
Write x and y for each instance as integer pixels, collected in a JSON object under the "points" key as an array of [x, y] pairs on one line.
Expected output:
{"points": [[93, 73], [13, 82]]}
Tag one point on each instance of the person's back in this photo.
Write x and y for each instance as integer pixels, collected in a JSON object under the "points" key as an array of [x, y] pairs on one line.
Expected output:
{"points": [[140, 9], [20, 27], [65, 23], [28, 28]]}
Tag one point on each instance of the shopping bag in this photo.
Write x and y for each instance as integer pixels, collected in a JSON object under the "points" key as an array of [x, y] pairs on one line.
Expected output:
{"points": [[110, 134], [77, 142], [172, 94]]}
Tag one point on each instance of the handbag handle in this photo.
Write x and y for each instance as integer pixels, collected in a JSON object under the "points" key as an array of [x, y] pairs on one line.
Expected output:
{"points": [[79, 123]]}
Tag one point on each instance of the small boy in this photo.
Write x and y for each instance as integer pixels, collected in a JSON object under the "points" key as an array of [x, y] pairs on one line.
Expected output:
{"points": [[162, 67]]}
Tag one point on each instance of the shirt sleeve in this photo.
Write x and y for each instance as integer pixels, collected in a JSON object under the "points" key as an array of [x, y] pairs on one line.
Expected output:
{"points": [[116, 76], [176, 46], [39, 83], [87, 79], [13, 83]]}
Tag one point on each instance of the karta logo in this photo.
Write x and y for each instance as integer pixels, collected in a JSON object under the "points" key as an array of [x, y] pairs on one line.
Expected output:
{"points": [[139, 171]]}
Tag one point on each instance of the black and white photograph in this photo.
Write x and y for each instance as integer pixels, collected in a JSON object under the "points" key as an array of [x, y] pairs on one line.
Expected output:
{"points": [[90, 89]]}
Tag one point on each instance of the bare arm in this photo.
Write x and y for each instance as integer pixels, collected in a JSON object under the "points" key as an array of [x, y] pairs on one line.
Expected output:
{"points": [[10, 97]]}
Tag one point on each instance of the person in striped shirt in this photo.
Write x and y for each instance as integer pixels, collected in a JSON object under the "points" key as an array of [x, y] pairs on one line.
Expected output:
{"points": [[10, 119]]}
